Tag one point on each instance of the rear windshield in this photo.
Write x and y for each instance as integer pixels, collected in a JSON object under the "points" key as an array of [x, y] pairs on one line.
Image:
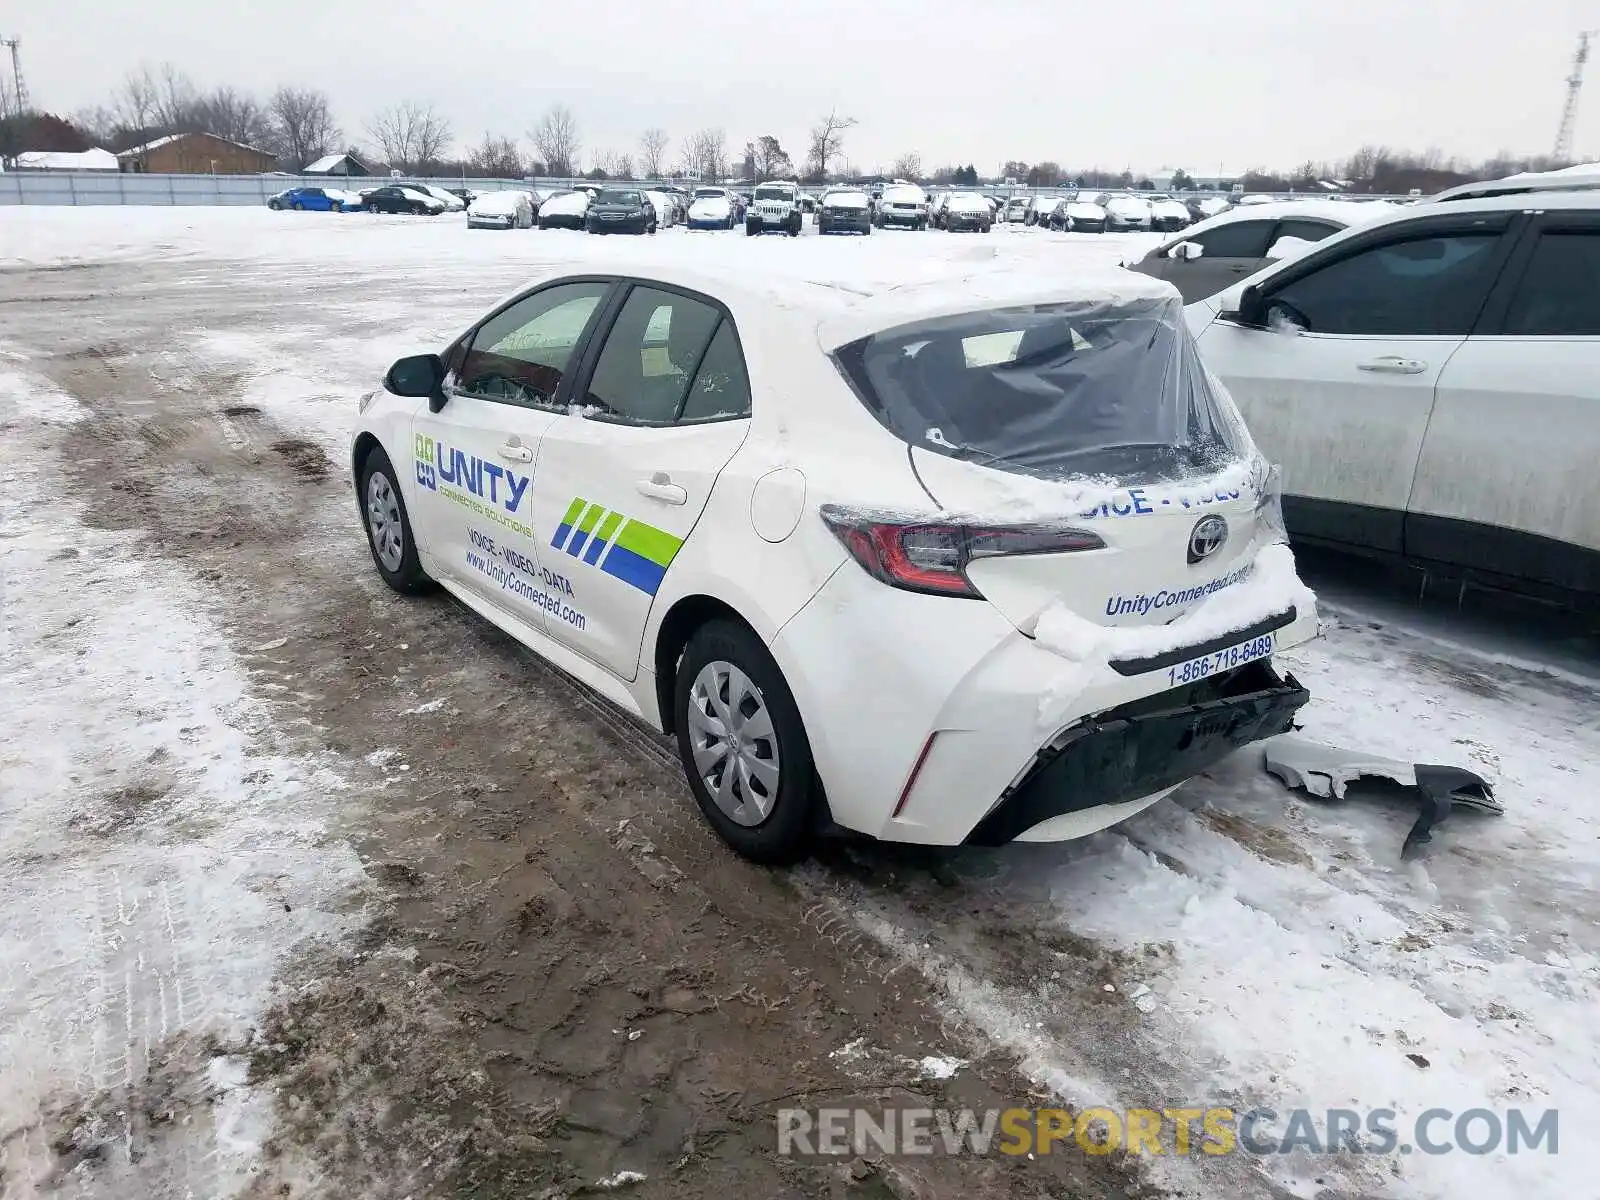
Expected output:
{"points": [[1056, 391]]}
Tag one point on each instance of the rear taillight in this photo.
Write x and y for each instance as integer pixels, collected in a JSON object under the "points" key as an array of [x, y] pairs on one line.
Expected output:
{"points": [[933, 556]]}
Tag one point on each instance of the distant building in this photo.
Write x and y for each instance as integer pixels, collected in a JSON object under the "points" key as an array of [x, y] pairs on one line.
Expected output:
{"points": [[52, 160], [196, 154], [338, 164]]}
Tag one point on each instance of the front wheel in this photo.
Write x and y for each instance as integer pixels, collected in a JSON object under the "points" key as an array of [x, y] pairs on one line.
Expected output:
{"points": [[743, 744], [389, 537], [749, 229]]}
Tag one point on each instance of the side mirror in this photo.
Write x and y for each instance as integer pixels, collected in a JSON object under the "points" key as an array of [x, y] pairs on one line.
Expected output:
{"points": [[418, 376], [1187, 251], [1252, 309]]}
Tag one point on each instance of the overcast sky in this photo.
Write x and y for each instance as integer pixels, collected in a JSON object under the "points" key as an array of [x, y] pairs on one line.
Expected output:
{"points": [[1108, 83]]}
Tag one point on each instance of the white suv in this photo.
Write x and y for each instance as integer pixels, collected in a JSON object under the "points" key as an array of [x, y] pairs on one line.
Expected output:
{"points": [[775, 208], [1430, 383]]}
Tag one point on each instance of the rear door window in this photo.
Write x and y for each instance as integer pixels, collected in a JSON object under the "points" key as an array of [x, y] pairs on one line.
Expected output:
{"points": [[1241, 239], [1432, 284], [1559, 295]]}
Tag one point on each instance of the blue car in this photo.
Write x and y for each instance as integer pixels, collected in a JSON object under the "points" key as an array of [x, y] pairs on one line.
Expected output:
{"points": [[315, 199]]}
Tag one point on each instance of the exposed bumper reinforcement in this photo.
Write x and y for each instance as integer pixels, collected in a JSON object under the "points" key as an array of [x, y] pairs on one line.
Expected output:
{"points": [[1144, 746]]}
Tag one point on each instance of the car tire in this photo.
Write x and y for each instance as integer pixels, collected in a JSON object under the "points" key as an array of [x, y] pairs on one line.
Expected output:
{"points": [[297, 206], [274, 206], [383, 512], [336, 206], [749, 229], [715, 651]]}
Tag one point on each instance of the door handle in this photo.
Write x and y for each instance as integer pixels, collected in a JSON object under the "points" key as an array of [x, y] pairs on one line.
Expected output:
{"points": [[660, 487], [516, 452], [1392, 364]]}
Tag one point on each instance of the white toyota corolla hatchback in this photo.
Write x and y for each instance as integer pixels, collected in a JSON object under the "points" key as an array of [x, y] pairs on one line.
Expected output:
{"points": [[968, 562]]}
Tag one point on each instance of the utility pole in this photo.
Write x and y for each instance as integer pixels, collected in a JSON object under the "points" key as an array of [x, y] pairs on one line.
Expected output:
{"points": [[19, 88], [1569, 111]]}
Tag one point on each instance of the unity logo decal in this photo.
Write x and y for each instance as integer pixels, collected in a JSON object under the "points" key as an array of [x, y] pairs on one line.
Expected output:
{"points": [[629, 550], [1207, 537]]}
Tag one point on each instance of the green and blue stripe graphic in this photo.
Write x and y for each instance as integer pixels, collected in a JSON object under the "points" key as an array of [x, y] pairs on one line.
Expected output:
{"points": [[629, 550]]}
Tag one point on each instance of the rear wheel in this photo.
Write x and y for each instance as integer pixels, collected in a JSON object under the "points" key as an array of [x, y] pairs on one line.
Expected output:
{"points": [[743, 744], [336, 206], [383, 510]]}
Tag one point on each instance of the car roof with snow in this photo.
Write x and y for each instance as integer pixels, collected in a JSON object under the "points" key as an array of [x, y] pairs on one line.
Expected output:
{"points": [[1340, 212], [1002, 287], [1584, 176]]}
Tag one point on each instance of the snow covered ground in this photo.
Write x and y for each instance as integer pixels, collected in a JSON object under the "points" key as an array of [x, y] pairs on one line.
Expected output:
{"points": [[1256, 948], [158, 855]]}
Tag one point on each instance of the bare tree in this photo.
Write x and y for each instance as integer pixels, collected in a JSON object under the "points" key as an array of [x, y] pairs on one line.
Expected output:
{"points": [[134, 104], [705, 154], [827, 142], [302, 126], [176, 103], [99, 124], [412, 136], [497, 158], [908, 166], [767, 157], [603, 163], [652, 152], [556, 140], [233, 115], [622, 166]]}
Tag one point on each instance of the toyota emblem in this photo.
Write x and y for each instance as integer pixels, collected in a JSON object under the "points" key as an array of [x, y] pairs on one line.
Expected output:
{"points": [[1207, 537]]}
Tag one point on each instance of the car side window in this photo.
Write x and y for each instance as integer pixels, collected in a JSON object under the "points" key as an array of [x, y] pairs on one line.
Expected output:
{"points": [[519, 356], [1432, 284], [1306, 231], [650, 357], [1559, 295], [722, 386], [1241, 239]]}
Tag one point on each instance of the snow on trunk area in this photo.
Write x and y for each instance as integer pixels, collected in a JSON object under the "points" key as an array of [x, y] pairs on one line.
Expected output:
{"points": [[157, 857]]}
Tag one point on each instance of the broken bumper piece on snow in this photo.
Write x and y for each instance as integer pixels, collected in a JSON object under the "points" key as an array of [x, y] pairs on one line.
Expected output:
{"points": [[1326, 771], [1144, 747]]}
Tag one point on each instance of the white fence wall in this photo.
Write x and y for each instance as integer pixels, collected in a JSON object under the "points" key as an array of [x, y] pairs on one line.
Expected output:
{"points": [[118, 187]]}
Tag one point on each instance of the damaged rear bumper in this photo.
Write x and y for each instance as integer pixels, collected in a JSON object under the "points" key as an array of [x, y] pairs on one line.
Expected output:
{"points": [[1144, 747]]}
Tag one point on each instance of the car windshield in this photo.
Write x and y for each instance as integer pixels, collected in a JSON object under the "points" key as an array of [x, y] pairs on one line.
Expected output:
{"points": [[774, 193], [617, 196], [1090, 388]]}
